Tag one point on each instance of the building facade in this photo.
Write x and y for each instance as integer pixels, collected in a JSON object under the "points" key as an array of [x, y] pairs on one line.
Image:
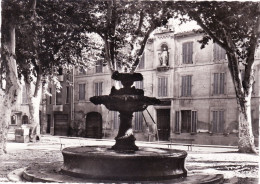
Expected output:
{"points": [[194, 85]]}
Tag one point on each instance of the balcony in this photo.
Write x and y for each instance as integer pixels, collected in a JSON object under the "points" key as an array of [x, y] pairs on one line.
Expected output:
{"points": [[58, 108], [163, 68]]}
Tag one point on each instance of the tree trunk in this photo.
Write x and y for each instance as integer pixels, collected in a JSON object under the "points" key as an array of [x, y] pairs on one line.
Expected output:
{"points": [[243, 96], [8, 94], [34, 101], [246, 138]]}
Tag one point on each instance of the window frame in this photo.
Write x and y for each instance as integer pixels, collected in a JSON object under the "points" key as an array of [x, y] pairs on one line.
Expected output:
{"points": [[99, 66], [216, 87], [138, 122], [187, 52], [163, 91], [186, 85], [221, 55], [98, 83], [84, 92], [219, 130]]}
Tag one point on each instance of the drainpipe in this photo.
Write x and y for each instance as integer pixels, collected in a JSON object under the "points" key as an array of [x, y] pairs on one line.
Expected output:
{"points": [[72, 95]]}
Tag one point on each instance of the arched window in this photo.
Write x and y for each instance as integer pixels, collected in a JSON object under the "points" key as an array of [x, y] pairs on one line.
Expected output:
{"points": [[25, 119]]}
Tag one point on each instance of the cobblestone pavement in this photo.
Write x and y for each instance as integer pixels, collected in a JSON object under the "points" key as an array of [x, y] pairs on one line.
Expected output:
{"points": [[236, 167]]}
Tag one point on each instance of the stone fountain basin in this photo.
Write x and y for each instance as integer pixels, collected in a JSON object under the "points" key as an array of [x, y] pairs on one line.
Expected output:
{"points": [[94, 162], [127, 103]]}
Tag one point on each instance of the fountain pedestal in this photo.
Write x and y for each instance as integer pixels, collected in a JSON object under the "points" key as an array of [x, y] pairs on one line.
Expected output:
{"points": [[125, 140]]}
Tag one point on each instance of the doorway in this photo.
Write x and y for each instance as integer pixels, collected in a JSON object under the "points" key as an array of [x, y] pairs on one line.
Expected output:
{"points": [[48, 124], [61, 124], [163, 124], [94, 125], [186, 121]]}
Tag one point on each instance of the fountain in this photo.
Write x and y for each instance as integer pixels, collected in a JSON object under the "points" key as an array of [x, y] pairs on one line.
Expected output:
{"points": [[124, 161]]}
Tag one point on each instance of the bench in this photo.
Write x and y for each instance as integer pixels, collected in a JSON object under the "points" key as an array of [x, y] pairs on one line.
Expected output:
{"points": [[186, 141]]}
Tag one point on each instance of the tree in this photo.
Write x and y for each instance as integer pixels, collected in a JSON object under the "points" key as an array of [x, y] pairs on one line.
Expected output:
{"points": [[60, 33], [124, 26], [235, 26], [9, 83], [46, 41]]}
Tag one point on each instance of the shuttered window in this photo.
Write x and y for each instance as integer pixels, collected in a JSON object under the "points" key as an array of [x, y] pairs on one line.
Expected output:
{"points": [[219, 52], [82, 71], [24, 95], [162, 86], [219, 83], [187, 53], [141, 63], [116, 120], [139, 85], [98, 88], [177, 121], [59, 97], [218, 121], [99, 66], [138, 126], [186, 85], [81, 91]]}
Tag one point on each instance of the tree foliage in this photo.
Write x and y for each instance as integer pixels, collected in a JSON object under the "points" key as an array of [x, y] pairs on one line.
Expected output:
{"points": [[124, 26]]}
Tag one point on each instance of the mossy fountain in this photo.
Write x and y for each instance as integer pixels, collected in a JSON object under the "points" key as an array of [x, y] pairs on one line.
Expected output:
{"points": [[124, 161]]}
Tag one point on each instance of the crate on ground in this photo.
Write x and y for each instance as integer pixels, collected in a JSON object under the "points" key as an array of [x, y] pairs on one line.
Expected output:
{"points": [[22, 135]]}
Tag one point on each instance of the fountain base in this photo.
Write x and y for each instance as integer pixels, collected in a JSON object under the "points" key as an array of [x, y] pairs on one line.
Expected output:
{"points": [[105, 163], [51, 172]]}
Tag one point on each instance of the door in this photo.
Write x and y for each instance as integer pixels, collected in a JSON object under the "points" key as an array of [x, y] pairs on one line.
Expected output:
{"points": [[163, 124], [186, 121], [94, 125], [48, 124], [61, 124]]}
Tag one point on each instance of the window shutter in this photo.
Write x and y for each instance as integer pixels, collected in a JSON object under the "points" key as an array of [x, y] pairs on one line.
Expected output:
{"points": [[221, 122], [215, 84], [159, 86], [190, 52], [214, 52], [194, 122], [222, 83], [165, 86], [183, 89], [177, 121], [184, 53], [116, 120], [214, 122], [189, 85], [100, 88], [223, 54]]}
